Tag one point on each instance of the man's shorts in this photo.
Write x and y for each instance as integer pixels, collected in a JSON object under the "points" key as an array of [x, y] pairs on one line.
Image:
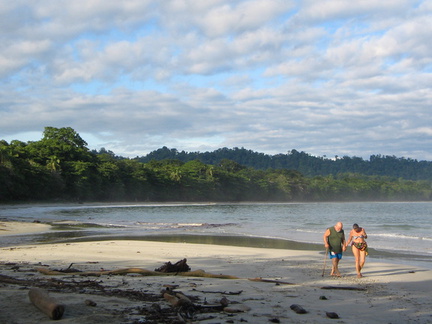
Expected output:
{"points": [[333, 255]]}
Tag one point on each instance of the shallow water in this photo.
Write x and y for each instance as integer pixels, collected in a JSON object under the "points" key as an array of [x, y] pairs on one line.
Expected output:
{"points": [[401, 228]]}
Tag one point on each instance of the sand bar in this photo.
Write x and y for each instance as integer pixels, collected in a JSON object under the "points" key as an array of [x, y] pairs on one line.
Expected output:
{"points": [[19, 228]]}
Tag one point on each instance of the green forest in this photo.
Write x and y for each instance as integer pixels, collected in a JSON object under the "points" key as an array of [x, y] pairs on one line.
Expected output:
{"points": [[307, 164], [61, 168]]}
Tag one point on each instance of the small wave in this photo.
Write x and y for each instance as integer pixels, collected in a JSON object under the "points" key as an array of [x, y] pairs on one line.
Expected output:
{"points": [[107, 206], [313, 224], [314, 231], [114, 225], [79, 224], [208, 225], [181, 225], [404, 236], [82, 225], [404, 227]]}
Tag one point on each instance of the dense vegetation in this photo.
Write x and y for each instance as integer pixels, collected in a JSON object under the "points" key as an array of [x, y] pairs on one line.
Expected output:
{"points": [[60, 167], [307, 164]]}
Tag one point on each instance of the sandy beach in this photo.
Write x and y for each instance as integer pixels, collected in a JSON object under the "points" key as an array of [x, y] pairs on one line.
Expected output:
{"points": [[387, 293]]}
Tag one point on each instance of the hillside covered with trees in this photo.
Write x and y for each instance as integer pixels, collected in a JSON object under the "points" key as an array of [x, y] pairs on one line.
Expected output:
{"points": [[60, 167], [306, 164]]}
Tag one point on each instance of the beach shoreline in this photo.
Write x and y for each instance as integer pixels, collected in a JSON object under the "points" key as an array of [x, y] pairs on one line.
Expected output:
{"points": [[16, 233], [391, 293], [299, 222]]}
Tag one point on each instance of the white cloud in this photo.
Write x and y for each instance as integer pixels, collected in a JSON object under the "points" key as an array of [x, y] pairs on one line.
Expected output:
{"points": [[325, 77], [245, 16], [328, 10]]}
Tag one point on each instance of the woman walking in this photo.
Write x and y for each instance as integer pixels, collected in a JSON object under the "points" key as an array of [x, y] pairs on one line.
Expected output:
{"points": [[357, 238]]}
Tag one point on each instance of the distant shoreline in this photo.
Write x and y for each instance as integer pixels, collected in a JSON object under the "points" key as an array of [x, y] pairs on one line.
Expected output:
{"points": [[169, 203]]}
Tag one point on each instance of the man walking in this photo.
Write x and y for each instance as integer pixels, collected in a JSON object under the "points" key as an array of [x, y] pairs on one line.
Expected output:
{"points": [[334, 242]]}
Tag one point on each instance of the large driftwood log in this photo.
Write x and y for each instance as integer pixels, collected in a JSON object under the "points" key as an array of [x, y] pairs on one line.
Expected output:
{"points": [[144, 272], [48, 305]]}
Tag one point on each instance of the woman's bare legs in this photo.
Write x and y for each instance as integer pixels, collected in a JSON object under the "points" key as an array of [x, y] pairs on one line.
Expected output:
{"points": [[359, 260], [362, 259]]}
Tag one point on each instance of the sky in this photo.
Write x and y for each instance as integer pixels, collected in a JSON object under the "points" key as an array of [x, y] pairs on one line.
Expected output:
{"points": [[327, 77]]}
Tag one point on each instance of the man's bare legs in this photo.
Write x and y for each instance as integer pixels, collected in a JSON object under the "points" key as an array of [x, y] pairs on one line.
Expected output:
{"points": [[335, 268]]}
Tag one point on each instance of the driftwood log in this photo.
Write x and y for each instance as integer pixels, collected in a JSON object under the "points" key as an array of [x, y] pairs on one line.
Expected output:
{"points": [[179, 266], [177, 299], [144, 272], [184, 306], [15, 281], [46, 304]]}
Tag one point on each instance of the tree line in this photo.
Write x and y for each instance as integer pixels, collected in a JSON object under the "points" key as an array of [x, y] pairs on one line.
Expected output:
{"points": [[308, 165], [60, 167]]}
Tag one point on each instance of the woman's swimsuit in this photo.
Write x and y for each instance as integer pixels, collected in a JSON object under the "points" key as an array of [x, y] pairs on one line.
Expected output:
{"points": [[362, 246]]}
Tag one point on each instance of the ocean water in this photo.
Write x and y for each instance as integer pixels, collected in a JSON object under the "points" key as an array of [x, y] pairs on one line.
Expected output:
{"points": [[392, 227]]}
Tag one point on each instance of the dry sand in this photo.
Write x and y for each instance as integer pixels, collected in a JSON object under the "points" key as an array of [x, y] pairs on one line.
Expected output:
{"points": [[392, 293]]}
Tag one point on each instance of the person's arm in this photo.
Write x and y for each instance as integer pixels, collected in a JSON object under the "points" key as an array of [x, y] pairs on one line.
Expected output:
{"points": [[343, 243], [326, 235], [349, 238], [364, 233]]}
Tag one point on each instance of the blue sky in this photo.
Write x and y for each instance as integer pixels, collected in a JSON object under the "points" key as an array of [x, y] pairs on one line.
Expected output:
{"points": [[327, 77]]}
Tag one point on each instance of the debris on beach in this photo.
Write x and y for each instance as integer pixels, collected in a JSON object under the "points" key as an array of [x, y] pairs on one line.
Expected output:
{"points": [[68, 269], [152, 305], [46, 304], [179, 266]]}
